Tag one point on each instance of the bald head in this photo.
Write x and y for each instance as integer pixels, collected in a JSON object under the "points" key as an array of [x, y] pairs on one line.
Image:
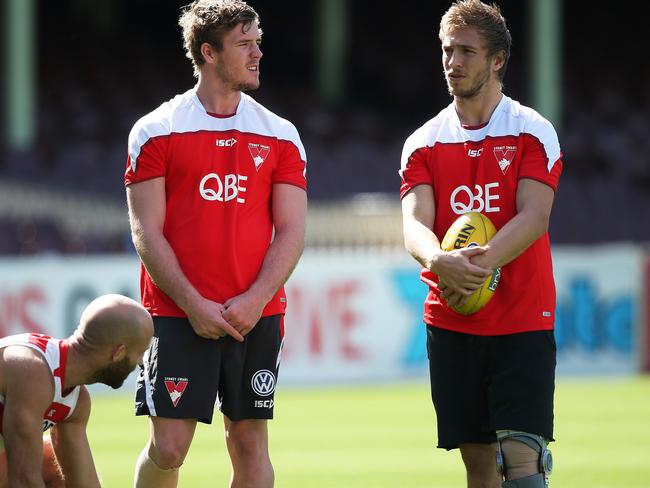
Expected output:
{"points": [[115, 319], [113, 334]]}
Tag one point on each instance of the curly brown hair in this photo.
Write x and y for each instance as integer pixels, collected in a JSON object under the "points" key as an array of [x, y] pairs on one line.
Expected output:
{"points": [[208, 21]]}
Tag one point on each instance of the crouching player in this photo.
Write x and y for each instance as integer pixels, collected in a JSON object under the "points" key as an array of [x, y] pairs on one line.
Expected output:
{"points": [[41, 388]]}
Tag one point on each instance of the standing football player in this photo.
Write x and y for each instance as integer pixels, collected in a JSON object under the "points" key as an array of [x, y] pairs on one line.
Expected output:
{"points": [[493, 372], [217, 202]]}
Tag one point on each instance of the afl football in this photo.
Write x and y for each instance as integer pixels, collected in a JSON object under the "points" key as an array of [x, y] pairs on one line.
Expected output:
{"points": [[473, 229]]}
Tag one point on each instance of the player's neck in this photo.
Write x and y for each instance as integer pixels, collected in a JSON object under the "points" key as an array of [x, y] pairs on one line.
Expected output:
{"points": [[73, 366], [216, 98], [77, 369], [477, 110]]}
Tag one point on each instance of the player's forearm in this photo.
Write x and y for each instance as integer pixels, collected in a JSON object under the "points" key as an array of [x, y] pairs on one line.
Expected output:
{"points": [[162, 265], [514, 238], [72, 449], [24, 471], [76, 462], [280, 260], [21, 479], [421, 243], [24, 463]]}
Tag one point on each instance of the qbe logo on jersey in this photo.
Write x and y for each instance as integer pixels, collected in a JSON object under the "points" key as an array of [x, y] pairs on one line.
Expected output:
{"points": [[483, 198], [263, 382], [227, 187]]}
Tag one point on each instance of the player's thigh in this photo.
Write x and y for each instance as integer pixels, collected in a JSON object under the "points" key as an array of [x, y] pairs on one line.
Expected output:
{"points": [[180, 373], [458, 372], [521, 394], [249, 371]]}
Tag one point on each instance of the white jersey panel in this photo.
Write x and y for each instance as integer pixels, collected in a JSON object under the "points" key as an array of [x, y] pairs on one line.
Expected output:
{"points": [[52, 355], [510, 118], [184, 113]]}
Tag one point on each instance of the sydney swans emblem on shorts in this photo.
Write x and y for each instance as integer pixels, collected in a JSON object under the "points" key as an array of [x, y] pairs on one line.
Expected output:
{"points": [[175, 389]]}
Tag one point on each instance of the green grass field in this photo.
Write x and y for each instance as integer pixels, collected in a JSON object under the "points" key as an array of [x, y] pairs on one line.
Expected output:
{"points": [[384, 436]]}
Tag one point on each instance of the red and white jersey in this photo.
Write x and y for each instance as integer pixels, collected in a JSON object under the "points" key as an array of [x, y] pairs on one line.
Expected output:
{"points": [[478, 169], [219, 172], [55, 352]]}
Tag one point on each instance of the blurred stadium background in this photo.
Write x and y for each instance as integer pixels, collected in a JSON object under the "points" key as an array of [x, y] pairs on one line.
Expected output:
{"points": [[356, 79]]}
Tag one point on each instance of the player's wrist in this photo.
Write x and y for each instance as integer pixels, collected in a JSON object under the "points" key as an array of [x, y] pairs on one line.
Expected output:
{"points": [[433, 261], [485, 260], [189, 301], [260, 296]]}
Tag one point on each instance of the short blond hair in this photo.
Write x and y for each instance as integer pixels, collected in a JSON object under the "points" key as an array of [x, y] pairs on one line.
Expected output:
{"points": [[488, 22]]}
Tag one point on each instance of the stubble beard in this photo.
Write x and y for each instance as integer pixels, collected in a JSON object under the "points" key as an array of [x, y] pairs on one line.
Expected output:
{"points": [[472, 91], [114, 374], [247, 86], [229, 80]]}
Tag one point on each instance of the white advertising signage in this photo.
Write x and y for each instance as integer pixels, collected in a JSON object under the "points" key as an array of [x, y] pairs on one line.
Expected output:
{"points": [[48, 294], [356, 315], [599, 308]]}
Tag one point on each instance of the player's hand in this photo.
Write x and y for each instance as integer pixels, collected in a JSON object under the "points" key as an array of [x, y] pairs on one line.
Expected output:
{"points": [[208, 322], [454, 299], [458, 274], [243, 312]]}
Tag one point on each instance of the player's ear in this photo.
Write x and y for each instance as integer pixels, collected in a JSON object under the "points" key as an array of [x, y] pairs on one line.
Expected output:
{"points": [[498, 60], [118, 353], [208, 52]]}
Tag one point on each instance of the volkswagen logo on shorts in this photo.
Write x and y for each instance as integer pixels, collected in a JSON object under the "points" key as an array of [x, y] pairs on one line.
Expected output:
{"points": [[263, 382]]}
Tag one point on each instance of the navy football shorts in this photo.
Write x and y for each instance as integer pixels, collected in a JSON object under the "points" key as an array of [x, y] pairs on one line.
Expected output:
{"points": [[185, 375], [481, 384]]}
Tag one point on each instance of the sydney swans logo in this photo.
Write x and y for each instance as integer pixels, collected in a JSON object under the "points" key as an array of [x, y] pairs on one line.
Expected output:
{"points": [[504, 156], [259, 152]]}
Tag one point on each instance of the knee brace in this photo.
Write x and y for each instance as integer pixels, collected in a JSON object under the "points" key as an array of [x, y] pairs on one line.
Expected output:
{"points": [[535, 442]]}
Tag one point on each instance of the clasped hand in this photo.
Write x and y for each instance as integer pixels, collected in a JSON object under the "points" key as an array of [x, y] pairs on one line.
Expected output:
{"points": [[458, 276]]}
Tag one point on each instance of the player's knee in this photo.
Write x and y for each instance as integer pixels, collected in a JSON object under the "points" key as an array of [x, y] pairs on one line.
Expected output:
{"points": [[247, 440], [523, 460], [519, 457], [168, 454], [245, 446], [479, 461], [170, 442]]}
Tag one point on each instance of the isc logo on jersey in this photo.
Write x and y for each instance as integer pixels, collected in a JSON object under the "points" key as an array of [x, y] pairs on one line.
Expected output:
{"points": [[214, 187], [482, 199], [226, 142]]}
